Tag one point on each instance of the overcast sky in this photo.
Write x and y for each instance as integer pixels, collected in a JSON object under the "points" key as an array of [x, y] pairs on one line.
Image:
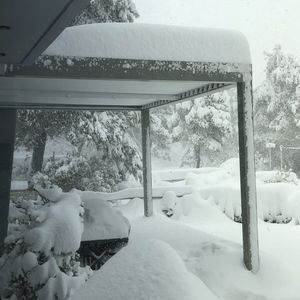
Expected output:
{"points": [[264, 22]]}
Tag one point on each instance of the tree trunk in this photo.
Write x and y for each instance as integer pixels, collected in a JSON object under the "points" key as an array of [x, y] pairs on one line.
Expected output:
{"points": [[197, 155], [38, 152]]}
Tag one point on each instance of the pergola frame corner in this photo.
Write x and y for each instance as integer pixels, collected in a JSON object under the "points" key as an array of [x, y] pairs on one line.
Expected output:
{"points": [[216, 77]]}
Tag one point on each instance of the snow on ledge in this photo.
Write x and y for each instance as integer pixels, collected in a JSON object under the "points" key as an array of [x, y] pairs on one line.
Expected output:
{"points": [[138, 192], [152, 42]]}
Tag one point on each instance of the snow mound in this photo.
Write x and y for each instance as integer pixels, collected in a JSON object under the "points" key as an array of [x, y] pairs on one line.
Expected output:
{"points": [[146, 270], [181, 173], [232, 167], [102, 221], [153, 42]]}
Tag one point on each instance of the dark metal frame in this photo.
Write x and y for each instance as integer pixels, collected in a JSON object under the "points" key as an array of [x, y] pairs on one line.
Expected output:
{"points": [[218, 75]]}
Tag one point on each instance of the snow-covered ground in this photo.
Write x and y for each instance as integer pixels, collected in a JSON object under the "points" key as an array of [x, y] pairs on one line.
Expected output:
{"points": [[196, 253], [203, 236]]}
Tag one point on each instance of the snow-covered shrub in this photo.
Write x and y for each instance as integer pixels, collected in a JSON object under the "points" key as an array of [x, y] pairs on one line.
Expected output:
{"points": [[39, 180], [40, 260], [274, 202], [85, 172]]}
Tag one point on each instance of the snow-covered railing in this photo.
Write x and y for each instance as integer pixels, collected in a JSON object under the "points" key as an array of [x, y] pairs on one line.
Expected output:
{"points": [[131, 193]]}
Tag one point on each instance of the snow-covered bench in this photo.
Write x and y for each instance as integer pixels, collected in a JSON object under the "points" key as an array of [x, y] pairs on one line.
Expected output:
{"points": [[138, 192]]}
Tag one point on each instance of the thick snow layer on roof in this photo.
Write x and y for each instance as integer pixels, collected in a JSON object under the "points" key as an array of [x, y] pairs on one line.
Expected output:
{"points": [[153, 42]]}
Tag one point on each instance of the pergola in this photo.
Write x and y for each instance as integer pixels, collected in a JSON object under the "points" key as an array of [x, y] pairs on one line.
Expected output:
{"points": [[135, 67]]}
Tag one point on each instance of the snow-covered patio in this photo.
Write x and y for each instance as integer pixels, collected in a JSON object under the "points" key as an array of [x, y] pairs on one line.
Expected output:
{"points": [[205, 238], [139, 67]]}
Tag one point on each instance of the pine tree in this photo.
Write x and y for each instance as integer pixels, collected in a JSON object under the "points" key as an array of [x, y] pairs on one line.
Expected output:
{"points": [[36, 126], [33, 129], [107, 152], [103, 11], [202, 124], [277, 104], [161, 122]]}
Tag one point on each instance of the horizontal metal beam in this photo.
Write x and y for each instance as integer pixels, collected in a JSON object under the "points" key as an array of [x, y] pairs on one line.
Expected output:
{"points": [[191, 94], [107, 68], [69, 107]]}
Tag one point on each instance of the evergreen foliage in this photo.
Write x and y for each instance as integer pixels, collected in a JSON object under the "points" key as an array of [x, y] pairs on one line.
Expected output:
{"points": [[277, 107], [103, 11], [202, 125], [115, 154]]}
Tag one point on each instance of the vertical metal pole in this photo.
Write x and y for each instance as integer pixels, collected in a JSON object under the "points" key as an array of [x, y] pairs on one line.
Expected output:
{"points": [[7, 138], [147, 176], [247, 174], [281, 158], [270, 155]]}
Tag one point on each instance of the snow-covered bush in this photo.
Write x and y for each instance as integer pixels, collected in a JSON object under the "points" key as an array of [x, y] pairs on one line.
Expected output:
{"points": [[83, 173], [40, 260], [40, 180], [277, 176]]}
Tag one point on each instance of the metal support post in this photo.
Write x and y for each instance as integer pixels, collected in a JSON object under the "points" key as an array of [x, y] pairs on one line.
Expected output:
{"points": [[281, 158], [247, 174], [147, 176], [7, 138]]}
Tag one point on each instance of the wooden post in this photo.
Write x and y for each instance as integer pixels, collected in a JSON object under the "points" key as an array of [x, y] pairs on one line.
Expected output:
{"points": [[7, 138], [147, 176], [247, 174]]}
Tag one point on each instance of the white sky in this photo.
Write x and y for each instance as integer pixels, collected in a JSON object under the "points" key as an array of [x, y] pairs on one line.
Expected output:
{"points": [[264, 22]]}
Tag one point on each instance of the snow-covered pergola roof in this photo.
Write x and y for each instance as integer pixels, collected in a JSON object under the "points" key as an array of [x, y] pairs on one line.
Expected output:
{"points": [[137, 67], [127, 66]]}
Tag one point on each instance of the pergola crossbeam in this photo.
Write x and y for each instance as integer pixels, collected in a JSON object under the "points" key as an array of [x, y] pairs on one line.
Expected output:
{"points": [[191, 94], [127, 69]]}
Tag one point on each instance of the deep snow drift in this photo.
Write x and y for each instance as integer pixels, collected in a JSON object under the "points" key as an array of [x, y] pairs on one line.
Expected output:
{"points": [[196, 252], [209, 242], [144, 270]]}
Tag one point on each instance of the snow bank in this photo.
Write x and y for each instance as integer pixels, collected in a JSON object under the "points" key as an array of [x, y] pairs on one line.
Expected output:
{"points": [[102, 221], [207, 179], [232, 167], [144, 270], [153, 42], [180, 174], [211, 248]]}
